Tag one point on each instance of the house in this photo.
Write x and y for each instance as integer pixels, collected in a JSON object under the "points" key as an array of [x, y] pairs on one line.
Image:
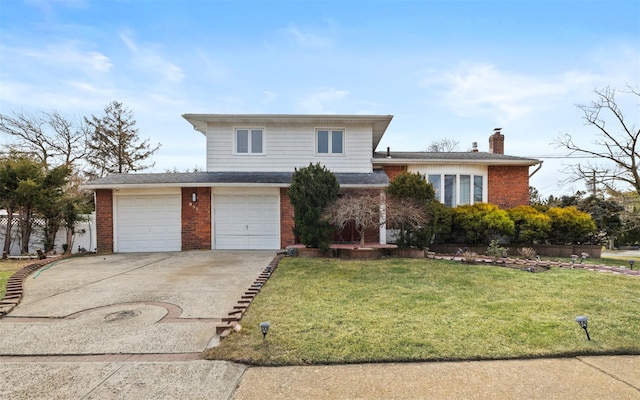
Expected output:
{"points": [[241, 201]]}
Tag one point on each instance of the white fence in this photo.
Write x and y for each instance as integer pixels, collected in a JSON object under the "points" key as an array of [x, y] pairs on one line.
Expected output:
{"points": [[84, 238]]}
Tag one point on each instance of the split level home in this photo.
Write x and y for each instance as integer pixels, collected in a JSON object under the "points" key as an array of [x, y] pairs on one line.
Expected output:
{"points": [[241, 201]]}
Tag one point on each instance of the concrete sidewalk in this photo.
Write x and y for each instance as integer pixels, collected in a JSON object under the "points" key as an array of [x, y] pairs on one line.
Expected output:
{"points": [[608, 377], [570, 378]]}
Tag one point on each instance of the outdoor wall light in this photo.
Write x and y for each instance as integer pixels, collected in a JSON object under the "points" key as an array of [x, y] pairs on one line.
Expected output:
{"points": [[194, 197], [631, 262], [582, 320], [264, 327]]}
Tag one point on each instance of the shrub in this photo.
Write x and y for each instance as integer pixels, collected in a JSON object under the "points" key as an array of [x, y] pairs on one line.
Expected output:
{"points": [[530, 225], [527, 253], [312, 189], [571, 226], [495, 250], [481, 222], [469, 257], [418, 194]]}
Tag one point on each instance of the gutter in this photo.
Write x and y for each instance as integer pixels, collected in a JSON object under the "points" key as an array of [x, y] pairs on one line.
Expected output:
{"points": [[537, 169]]}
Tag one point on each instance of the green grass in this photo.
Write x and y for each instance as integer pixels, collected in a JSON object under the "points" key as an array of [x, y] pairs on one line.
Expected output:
{"points": [[7, 268], [336, 311]]}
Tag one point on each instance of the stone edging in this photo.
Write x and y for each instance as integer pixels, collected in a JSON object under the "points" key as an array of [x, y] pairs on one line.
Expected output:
{"points": [[233, 317], [517, 261], [13, 295]]}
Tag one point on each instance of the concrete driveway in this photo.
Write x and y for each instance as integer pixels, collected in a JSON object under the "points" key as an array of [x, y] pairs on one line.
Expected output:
{"points": [[129, 303]]}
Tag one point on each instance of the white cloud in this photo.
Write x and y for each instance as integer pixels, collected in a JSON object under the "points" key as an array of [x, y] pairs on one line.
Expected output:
{"points": [[148, 59], [309, 39], [481, 89], [316, 102], [67, 54]]}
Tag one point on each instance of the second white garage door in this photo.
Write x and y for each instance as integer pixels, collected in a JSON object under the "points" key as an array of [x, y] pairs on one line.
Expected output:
{"points": [[148, 223], [246, 221]]}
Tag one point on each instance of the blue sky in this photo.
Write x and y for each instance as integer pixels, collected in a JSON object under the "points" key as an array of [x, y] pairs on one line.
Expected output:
{"points": [[444, 69]]}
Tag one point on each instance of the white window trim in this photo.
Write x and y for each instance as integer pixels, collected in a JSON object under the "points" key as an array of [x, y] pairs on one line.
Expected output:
{"points": [[485, 193], [330, 154], [249, 153]]}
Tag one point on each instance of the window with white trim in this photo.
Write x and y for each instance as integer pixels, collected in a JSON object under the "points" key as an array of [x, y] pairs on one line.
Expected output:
{"points": [[249, 141], [457, 189], [330, 141]]}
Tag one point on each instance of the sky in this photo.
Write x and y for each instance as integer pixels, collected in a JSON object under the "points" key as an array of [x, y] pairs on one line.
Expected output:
{"points": [[443, 69]]}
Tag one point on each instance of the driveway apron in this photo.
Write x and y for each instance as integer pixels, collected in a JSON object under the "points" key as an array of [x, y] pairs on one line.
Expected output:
{"points": [[129, 303]]}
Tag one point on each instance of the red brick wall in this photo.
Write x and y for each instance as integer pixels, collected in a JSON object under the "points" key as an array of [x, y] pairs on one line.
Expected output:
{"points": [[196, 219], [508, 186], [104, 220], [394, 170], [286, 220]]}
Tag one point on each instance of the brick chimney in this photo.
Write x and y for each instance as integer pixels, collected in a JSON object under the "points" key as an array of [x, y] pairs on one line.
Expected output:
{"points": [[496, 142]]}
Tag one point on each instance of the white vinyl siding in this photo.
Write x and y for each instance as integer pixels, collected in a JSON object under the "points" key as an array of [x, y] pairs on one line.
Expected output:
{"points": [[147, 222], [289, 147]]}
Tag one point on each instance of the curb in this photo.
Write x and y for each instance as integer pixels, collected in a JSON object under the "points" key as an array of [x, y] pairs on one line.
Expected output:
{"points": [[233, 317], [13, 295]]}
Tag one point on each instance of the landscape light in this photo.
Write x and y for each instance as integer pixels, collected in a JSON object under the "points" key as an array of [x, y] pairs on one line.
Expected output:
{"points": [[264, 327], [631, 262], [582, 320]]}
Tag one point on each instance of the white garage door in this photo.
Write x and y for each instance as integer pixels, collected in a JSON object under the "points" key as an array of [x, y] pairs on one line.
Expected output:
{"points": [[148, 223], [247, 221]]}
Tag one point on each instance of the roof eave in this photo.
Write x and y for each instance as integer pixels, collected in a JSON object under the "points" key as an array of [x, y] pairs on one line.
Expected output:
{"points": [[403, 161], [380, 123]]}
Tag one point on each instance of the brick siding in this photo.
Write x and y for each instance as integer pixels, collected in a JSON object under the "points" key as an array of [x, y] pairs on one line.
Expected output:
{"points": [[104, 220], [508, 186], [286, 220], [196, 219], [394, 170]]}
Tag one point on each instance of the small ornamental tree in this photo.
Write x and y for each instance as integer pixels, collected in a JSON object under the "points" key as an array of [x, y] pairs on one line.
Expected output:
{"points": [[480, 223], [312, 189], [364, 210], [571, 226], [530, 225]]}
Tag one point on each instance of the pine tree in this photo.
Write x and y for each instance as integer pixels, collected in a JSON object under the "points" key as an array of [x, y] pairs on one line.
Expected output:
{"points": [[114, 145], [312, 189]]}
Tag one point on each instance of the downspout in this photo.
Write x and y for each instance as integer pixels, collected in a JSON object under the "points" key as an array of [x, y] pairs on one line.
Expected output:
{"points": [[537, 169]]}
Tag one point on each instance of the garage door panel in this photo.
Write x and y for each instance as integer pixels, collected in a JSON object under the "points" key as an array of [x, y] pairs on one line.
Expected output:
{"points": [[148, 223], [247, 221]]}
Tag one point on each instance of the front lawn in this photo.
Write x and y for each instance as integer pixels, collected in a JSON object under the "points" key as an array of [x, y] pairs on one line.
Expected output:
{"points": [[8, 268], [337, 311]]}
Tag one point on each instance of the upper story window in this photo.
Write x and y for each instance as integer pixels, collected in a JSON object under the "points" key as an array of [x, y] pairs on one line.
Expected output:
{"points": [[456, 190], [249, 141], [329, 141]]}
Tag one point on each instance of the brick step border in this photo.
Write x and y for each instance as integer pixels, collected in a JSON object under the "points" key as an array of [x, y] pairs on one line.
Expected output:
{"points": [[520, 262], [13, 295], [230, 322]]}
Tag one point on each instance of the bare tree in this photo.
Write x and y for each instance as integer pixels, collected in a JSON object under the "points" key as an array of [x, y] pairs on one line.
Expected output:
{"points": [[49, 137], [616, 149], [368, 210], [444, 146]]}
